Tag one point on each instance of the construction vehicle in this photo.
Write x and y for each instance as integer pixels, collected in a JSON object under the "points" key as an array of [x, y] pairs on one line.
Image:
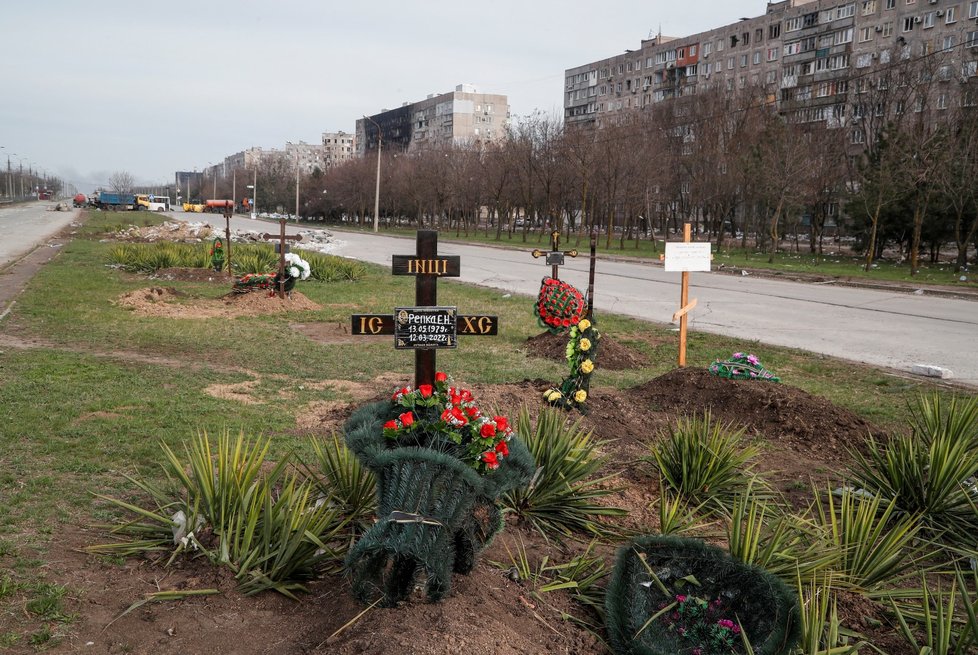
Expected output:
{"points": [[114, 201], [217, 206], [193, 206]]}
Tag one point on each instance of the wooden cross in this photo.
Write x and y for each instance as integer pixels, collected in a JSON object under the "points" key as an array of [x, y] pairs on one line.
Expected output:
{"points": [[555, 257], [425, 327], [282, 247], [228, 209], [686, 257]]}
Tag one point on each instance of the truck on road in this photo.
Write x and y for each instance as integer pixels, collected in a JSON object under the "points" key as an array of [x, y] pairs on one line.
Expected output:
{"points": [[114, 201]]}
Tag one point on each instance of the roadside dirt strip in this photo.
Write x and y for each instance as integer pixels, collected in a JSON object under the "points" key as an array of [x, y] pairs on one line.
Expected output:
{"points": [[15, 275]]}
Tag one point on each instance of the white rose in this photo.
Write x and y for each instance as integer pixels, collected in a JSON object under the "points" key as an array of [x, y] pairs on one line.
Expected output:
{"points": [[293, 271]]}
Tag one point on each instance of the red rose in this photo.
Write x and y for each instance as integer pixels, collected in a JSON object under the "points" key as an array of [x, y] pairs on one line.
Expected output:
{"points": [[502, 448], [426, 390], [566, 322], [502, 423], [490, 459], [407, 418], [446, 416], [488, 430], [440, 376], [458, 415], [390, 425], [575, 320]]}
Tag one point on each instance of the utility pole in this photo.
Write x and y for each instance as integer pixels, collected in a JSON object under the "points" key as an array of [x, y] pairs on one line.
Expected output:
{"points": [[297, 184], [377, 189]]}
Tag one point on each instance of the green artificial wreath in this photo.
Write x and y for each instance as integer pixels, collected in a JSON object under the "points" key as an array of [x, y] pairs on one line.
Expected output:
{"points": [[582, 351], [217, 254], [742, 366], [441, 465], [682, 596]]}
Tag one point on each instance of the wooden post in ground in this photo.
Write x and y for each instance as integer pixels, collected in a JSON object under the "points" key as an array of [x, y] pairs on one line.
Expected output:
{"points": [[228, 208], [683, 302], [283, 247]]}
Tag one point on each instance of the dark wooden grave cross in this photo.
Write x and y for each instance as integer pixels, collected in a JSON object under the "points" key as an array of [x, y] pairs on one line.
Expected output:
{"points": [[283, 247], [425, 327], [555, 257], [228, 210]]}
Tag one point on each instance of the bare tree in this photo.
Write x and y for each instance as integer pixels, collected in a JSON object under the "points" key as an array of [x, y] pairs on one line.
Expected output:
{"points": [[121, 182]]}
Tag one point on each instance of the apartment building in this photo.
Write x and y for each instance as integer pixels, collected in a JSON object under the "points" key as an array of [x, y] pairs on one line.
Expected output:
{"points": [[462, 116], [804, 55], [338, 148]]}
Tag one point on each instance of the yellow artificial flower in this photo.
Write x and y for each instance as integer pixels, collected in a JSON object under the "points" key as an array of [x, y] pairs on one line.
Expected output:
{"points": [[552, 395], [584, 345], [587, 366], [583, 325], [580, 396]]}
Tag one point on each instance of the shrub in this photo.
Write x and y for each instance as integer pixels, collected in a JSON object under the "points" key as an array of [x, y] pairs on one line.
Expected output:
{"points": [[562, 496], [267, 527], [704, 461], [349, 486]]}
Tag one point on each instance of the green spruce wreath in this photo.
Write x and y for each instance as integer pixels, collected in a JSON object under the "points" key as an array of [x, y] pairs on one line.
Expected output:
{"points": [[679, 596], [437, 504]]}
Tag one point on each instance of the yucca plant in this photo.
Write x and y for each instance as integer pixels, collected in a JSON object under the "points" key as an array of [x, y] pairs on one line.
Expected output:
{"points": [[347, 484], [875, 543], [562, 496], [930, 477], [821, 631], [705, 461], [330, 268], [761, 533], [675, 514], [948, 625], [266, 526], [931, 417], [254, 260]]}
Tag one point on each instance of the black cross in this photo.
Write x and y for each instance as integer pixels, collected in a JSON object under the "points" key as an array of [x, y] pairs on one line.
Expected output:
{"points": [[283, 247], [555, 257], [425, 327]]}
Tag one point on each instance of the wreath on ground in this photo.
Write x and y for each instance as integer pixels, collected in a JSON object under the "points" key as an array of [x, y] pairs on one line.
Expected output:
{"points": [[742, 366], [296, 268]]}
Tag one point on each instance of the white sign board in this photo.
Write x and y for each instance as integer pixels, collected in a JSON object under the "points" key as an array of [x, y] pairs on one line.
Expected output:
{"points": [[687, 256]]}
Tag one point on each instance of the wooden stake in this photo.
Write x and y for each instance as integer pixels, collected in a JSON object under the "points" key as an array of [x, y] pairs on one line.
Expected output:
{"points": [[684, 299]]}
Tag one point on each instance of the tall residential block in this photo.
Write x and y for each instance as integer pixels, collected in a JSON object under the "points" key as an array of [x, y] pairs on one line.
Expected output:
{"points": [[806, 56], [462, 116]]}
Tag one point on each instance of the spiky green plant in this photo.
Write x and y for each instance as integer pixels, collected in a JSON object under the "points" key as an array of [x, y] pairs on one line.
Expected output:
{"points": [[239, 511], [874, 542], [705, 461], [761, 533], [330, 268], [949, 626], [675, 514], [957, 419], [562, 496], [254, 260], [930, 477], [821, 631], [350, 486]]}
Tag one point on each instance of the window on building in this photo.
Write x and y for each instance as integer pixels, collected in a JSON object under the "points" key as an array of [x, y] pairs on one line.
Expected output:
{"points": [[972, 39], [973, 9], [707, 48], [745, 39], [969, 68], [887, 29], [757, 57], [810, 20], [910, 2], [792, 48], [774, 31], [719, 45], [890, 4], [950, 15], [864, 60], [846, 11], [772, 54], [865, 34], [793, 24], [743, 60], [843, 36], [730, 63], [869, 7], [929, 19], [908, 23], [771, 77], [827, 16]]}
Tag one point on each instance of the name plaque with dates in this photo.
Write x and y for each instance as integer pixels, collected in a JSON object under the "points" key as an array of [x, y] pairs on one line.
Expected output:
{"points": [[425, 327]]}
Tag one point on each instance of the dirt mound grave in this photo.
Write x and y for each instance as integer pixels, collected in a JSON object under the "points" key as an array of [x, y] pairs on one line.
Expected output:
{"points": [[611, 354], [776, 412], [168, 302]]}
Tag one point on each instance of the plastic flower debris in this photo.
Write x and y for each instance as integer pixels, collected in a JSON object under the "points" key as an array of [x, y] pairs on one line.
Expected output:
{"points": [[742, 366]]}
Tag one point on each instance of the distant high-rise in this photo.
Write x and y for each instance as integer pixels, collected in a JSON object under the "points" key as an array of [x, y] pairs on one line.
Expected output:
{"points": [[338, 148], [462, 116]]}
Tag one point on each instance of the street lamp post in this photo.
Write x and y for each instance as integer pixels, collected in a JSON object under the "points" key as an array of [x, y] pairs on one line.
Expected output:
{"points": [[377, 188], [297, 184], [254, 196]]}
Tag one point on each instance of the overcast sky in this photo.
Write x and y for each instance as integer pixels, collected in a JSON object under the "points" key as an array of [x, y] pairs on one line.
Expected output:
{"points": [[90, 87]]}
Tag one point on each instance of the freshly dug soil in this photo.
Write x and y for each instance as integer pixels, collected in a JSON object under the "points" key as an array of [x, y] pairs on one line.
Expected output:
{"points": [[611, 354]]}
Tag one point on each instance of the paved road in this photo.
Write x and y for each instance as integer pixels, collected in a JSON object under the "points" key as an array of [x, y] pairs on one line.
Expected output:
{"points": [[25, 225], [890, 329]]}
